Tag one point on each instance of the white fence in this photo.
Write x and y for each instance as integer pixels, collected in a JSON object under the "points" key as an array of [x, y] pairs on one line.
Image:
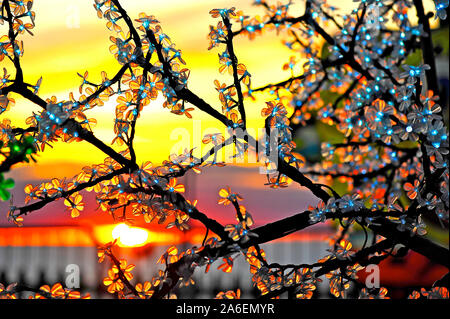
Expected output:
{"points": [[47, 265]]}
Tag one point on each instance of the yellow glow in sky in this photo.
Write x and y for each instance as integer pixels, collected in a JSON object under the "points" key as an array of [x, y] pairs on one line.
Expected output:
{"points": [[69, 38], [131, 236]]}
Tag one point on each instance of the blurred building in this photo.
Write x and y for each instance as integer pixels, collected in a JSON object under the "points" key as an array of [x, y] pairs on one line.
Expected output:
{"points": [[41, 255]]}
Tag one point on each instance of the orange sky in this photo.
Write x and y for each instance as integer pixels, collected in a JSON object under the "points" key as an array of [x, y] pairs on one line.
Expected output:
{"points": [[58, 51], [69, 38]]}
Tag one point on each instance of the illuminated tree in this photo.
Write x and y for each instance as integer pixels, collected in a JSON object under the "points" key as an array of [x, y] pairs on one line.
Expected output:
{"points": [[385, 169]]}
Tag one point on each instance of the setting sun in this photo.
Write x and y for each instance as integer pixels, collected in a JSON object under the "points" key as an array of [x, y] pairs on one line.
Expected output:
{"points": [[130, 236]]}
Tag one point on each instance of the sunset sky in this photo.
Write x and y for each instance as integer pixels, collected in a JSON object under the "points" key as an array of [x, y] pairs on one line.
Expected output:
{"points": [[69, 38], [58, 51]]}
